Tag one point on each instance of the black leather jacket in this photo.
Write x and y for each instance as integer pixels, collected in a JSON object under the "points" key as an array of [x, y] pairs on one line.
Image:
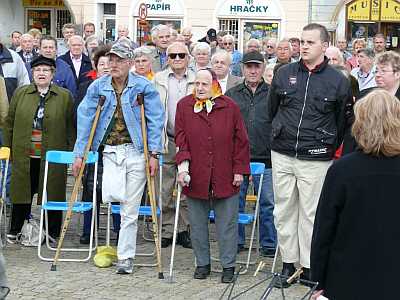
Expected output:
{"points": [[307, 110]]}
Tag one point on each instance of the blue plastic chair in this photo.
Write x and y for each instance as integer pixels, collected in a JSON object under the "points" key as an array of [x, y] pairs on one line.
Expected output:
{"points": [[66, 158], [247, 219]]}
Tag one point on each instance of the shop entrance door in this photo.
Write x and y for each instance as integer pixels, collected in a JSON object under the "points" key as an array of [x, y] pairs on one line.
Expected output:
{"points": [[260, 31]]}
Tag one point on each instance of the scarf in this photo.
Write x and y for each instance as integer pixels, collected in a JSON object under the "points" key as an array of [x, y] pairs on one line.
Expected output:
{"points": [[208, 104]]}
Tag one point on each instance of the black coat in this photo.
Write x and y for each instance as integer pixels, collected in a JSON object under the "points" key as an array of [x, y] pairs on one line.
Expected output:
{"points": [[86, 66], [356, 239], [307, 110]]}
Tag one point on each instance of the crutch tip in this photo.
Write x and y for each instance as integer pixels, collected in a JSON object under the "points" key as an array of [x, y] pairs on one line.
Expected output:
{"points": [[160, 275], [53, 268]]}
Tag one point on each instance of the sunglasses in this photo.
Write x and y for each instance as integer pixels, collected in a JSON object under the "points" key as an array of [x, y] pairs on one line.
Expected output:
{"points": [[174, 55], [226, 44], [270, 47]]}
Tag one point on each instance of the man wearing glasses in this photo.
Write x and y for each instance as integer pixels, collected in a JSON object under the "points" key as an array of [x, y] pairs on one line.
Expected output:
{"points": [[174, 83], [387, 74], [229, 45]]}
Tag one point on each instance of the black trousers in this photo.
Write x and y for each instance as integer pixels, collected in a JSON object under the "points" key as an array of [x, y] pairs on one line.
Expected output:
{"points": [[21, 212]]}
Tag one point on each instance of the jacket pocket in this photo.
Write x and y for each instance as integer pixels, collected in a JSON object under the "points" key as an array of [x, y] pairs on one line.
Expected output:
{"points": [[286, 96], [325, 104], [324, 136]]}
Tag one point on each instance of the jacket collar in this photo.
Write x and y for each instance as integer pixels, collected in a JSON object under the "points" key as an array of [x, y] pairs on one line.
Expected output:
{"points": [[108, 85], [317, 69], [261, 86], [162, 77], [31, 89]]}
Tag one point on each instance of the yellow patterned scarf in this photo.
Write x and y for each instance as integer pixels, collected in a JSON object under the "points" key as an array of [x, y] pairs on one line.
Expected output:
{"points": [[216, 91]]}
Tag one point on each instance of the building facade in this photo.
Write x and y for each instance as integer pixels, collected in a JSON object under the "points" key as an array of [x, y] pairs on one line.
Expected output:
{"points": [[243, 18]]}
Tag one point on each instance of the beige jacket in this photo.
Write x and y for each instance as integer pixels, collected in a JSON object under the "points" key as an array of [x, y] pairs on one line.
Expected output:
{"points": [[161, 85], [3, 102]]}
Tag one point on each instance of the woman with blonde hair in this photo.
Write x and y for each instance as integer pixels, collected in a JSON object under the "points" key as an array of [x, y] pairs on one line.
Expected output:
{"points": [[356, 225]]}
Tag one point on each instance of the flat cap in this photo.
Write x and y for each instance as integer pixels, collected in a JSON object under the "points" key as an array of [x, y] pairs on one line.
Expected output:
{"points": [[42, 60]]}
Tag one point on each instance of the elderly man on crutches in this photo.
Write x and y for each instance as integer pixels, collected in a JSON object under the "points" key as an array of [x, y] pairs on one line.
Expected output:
{"points": [[119, 131]]}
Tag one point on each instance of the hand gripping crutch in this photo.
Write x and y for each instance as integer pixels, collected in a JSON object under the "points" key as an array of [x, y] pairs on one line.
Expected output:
{"points": [[150, 186], [77, 184], [178, 201]]}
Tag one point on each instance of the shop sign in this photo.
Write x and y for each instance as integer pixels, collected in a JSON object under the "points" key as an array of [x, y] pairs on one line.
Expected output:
{"points": [[359, 10], [375, 10], [163, 8], [250, 8], [43, 3], [390, 11]]}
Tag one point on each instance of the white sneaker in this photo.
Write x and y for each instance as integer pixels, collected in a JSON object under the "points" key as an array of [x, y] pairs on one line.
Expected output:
{"points": [[12, 238], [125, 266]]}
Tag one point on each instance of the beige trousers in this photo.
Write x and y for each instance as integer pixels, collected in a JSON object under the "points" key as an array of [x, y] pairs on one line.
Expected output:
{"points": [[168, 200], [297, 187]]}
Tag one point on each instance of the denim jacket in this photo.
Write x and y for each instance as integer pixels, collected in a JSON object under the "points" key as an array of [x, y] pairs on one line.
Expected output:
{"points": [[154, 113]]}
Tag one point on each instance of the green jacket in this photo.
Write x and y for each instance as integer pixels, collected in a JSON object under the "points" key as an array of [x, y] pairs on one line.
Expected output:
{"points": [[57, 134]]}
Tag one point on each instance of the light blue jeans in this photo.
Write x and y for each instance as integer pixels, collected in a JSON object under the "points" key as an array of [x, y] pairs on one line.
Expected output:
{"points": [[267, 227], [124, 176]]}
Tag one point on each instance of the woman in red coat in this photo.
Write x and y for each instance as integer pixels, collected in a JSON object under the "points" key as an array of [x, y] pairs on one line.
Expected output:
{"points": [[212, 146]]}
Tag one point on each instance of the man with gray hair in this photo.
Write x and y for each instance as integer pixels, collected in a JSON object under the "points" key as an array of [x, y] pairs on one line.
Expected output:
{"points": [[187, 35], [220, 63], [365, 73], [335, 56], [253, 45], [283, 53], [68, 30], [161, 36], [229, 45], [175, 82], [27, 52], [123, 31], [119, 132], [77, 60]]}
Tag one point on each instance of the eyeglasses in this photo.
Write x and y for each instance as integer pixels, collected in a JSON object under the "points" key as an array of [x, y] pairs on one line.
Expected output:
{"points": [[383, 72], [39, 70], [174, 55], [226, 44]]}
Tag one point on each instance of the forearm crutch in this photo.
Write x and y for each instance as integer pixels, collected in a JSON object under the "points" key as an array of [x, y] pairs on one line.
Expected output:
{"points": [[77, 184], [178, 201], [150, 186]]}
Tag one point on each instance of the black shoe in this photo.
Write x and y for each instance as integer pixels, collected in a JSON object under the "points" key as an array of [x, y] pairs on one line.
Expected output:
{"points": [[202, 272], [287, 271], [165, 242], [184, 240], [227, 275], [267, 252], [240, 248], [305, 277], [84, 239]]}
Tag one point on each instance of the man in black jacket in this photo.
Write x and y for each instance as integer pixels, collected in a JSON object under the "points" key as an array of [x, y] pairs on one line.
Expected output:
{"points": [[251, 96], [306, 106]]}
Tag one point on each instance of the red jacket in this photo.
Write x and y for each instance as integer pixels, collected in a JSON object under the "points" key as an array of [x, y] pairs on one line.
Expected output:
{"points": [[216, 145]]}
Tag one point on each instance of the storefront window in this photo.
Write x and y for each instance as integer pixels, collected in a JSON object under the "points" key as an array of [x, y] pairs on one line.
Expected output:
{"points": [[40, 19], [143, 32], [260, 31]]}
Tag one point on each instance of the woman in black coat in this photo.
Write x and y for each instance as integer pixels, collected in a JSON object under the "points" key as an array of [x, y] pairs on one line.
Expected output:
{"points": [[356, 239]]}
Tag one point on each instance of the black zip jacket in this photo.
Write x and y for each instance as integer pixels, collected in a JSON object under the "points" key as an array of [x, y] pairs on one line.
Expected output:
{"points": [[252, 108], [307, 110]]}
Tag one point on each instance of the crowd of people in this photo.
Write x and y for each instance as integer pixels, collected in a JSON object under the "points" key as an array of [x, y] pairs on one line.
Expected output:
{"points": [[295, 105]]}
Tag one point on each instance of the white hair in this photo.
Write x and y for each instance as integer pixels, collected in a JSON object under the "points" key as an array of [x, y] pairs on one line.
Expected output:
{"points": [[201, 46], [76, 37], [252, 41], [156, 30], [174, 44], [285, 40], [222, 53], [228, 37]]}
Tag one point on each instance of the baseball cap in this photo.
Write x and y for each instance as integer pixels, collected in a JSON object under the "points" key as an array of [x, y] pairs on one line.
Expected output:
{"points": [[41, 60], [122, 48], [253, 57], [212, 34]]}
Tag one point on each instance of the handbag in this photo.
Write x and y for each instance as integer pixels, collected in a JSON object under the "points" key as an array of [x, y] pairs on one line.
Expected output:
{"points": [[29, 235]]}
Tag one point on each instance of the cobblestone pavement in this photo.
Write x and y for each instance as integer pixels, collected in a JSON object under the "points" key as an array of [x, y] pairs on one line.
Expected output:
{"points": [[31, 278]]}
